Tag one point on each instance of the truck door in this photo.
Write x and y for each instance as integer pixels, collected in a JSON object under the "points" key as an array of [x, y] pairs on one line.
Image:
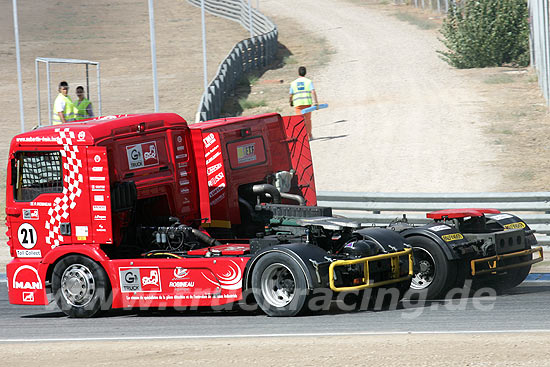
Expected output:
{"points": [[38, 216]]}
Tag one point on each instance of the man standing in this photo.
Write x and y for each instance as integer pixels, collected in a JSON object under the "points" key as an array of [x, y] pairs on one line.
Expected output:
{"points": [[302, 95], [63, 107], [83, 107]]}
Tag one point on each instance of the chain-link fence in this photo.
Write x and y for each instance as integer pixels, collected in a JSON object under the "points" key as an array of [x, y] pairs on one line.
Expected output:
{"points": [[249, 54], [539, 14]]}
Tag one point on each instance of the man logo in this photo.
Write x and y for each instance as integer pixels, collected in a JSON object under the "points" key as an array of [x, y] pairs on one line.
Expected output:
{"points": [[26, 277]]}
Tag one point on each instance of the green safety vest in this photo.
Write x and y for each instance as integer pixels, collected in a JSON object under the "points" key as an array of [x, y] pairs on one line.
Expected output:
{"points": [[80, 110], [301, 92], [68, 112]]}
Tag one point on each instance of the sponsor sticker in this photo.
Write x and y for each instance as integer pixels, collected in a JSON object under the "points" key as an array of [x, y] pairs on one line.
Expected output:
{"points": [[181, 156], [501, 216], [142, 279], [452, 237], [100, 217], [97, 158], [209, 140], [81, 231], [97, 169], [213, 168], [30, 214], [81, 136], [99, 198], [96, 178], [142, 155], [99, 208], [516, 225], [28, 297], [442, 227], [209, 160], [29, 253], [98, 187], [183, 173], [246, 153], [213, 181], [184, 182], [181, 147]]}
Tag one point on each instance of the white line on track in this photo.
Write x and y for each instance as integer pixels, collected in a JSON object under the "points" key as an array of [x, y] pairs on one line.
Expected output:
{"points": [[366, 333]]}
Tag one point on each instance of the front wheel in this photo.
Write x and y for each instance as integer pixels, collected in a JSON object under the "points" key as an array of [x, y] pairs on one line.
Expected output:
{"points": [[279, 285], [80, 286]]}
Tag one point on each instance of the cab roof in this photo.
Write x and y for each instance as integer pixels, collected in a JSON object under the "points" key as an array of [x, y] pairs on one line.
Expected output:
{"points": [[91, 131]]}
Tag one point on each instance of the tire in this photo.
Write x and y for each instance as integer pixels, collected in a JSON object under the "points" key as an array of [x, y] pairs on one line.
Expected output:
{"points": [[279, 285], [512, 277], [434, 275], [80, 286]]}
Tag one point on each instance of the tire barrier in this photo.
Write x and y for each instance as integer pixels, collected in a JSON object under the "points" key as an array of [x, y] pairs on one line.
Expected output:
{"points": [[249, 54]]}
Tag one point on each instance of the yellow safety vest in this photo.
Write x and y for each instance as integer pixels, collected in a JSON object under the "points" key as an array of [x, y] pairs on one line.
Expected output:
{"points": [[68, 112], [80, 109], [301, 92]]}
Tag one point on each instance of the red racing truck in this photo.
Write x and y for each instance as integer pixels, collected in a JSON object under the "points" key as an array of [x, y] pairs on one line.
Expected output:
{"points": [[146, 211]]}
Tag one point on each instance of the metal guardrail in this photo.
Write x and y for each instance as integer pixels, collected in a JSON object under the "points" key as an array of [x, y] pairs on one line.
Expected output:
{"points": [[249, 54], [368, 207]]}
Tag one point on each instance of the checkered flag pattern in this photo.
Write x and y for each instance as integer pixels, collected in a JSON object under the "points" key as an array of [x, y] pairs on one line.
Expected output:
{"points": [[72, 178]]}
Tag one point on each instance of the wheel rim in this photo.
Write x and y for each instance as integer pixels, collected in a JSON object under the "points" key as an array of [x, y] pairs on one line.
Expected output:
{"points": [[425, 264], [77, 285], [278, 285]]}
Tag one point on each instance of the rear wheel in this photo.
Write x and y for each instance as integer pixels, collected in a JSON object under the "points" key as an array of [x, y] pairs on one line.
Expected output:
{"points": [[512, 277], [279, 285], [434, 275], [80, 286]]}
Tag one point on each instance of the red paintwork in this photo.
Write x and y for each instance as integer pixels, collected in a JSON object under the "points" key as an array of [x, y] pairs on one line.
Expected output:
{"points": [[197, 168], [460, 213]]}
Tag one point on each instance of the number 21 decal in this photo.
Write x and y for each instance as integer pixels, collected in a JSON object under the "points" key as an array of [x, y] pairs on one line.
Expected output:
{"points": [[27, 235]]}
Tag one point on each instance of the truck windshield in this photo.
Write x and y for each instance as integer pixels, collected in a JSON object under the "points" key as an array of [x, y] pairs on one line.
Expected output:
{"points": [[37, 173]]}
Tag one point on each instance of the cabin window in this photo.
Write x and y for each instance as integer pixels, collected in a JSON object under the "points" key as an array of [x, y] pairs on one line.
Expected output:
{"points": [[36, 173]]}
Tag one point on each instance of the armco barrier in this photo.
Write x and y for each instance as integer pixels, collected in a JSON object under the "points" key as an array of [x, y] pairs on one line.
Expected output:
{"points": [[532, 207], [249, 54]]}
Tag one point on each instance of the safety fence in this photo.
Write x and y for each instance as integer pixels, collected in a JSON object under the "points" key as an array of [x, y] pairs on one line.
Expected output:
{"points": [[382, 208], [252, 53], [539, 14]]}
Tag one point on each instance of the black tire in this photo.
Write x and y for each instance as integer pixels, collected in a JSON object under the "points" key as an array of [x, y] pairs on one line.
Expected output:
{"points": [[279, 285], [80, 286], [512, 277], [434, 275]]}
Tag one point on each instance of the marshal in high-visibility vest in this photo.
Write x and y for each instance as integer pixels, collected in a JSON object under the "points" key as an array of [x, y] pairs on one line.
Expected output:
{"points": [[301, 89], [83, 106], [63, 107], [303, 95]]}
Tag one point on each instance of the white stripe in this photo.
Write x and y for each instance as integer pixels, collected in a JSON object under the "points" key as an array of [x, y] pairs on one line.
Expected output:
{"points": [[222, 336]]}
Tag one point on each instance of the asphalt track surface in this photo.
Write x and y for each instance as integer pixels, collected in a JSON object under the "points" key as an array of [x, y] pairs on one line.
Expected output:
{"points": [[522, 309]]}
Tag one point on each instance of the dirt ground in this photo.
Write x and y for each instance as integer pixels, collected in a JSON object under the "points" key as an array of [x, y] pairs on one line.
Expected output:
{"points": [[418, 350]]}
